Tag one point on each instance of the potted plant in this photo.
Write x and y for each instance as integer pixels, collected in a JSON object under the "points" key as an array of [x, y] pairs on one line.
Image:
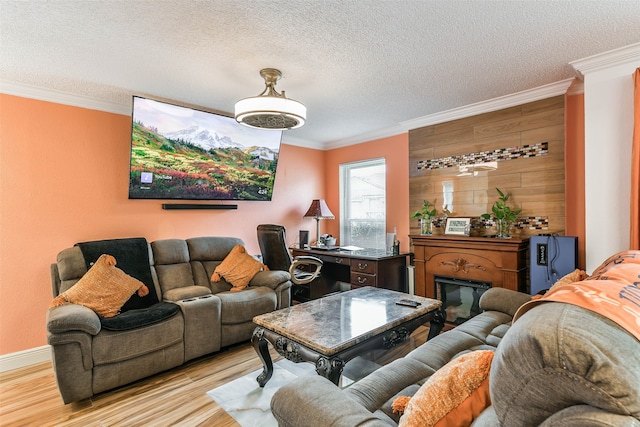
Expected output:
{"points": [[502, 215], [426, 214]]}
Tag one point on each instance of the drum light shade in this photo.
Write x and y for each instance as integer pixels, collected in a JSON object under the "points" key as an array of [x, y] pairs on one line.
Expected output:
{"points": [[270, 109]]}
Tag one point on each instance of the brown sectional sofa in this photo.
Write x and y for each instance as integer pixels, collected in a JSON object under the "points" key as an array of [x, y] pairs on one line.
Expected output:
{"points": [[88, 359]]}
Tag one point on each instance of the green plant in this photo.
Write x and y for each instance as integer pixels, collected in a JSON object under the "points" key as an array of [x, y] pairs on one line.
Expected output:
{"points": [[425, 211], [502, 213], [426, 214]]}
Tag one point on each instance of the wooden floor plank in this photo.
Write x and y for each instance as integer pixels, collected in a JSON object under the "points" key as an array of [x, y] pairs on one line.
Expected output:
{"points": [[29, 396]]}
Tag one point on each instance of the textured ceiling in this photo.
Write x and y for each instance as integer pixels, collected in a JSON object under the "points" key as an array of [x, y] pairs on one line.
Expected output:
{"points": [[360, 67]]}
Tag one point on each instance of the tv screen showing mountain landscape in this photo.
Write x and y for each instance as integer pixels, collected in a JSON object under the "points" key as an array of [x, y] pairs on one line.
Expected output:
{"points": [[183, 153]]}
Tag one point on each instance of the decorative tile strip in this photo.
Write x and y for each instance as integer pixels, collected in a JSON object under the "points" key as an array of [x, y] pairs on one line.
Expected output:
{"points": [[532, 223], [498, 155], [523, 223], [481, 223]]}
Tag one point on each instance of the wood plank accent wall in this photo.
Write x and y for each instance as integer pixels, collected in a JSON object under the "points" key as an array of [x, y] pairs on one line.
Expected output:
{"points": [[537, 184]]}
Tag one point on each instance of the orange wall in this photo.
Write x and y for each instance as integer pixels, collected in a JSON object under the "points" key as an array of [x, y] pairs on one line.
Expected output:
{"points": [[575, 173], [64, 179], [395, 150]]}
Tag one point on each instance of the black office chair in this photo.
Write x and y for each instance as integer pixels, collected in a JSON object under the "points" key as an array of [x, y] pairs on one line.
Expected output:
{"points": [[276, 255]]}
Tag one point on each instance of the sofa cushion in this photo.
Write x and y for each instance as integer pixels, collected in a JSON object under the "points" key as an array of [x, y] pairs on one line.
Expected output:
{"points": [[211, 248], [382, 386], [202, 273], [120, 346], [71, 267], [589, 359], [104, 289], [170, 251], [238, 268], [137, 318], [173, 276], [452, 397], [240, 307]]}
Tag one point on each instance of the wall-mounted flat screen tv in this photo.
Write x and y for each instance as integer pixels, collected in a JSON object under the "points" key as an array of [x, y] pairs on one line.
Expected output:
{"points": [[183, 153]]}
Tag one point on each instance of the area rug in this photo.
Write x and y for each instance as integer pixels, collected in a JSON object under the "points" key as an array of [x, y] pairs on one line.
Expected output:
{"points": [[249, 404]]}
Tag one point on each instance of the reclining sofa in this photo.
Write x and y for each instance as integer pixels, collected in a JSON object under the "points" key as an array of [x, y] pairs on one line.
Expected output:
{"points": [[89, 359], [558, 364]]}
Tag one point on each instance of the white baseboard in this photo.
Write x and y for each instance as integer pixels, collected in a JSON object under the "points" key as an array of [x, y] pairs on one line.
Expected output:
{"points": [[22, 359]]}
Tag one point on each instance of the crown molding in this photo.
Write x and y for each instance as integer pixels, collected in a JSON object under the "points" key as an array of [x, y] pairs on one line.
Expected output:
{"points": [[299, 142], [576, 88], [519, 98], [495, 104], [366, 137], [606, 60], [65, 98], [542, 92]]}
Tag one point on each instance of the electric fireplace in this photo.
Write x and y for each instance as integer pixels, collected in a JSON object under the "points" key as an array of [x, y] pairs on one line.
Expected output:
{"points": [[460, 297]]}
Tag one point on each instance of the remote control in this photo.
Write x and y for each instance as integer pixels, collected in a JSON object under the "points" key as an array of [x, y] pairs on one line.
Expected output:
{"points": [[408, 303]]}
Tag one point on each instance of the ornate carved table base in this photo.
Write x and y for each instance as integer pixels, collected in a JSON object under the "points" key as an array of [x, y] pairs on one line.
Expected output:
{"points": [[328, 365]]}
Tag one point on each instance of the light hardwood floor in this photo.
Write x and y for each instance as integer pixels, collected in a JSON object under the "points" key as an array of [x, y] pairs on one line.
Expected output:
{"points": [[29, 396]]}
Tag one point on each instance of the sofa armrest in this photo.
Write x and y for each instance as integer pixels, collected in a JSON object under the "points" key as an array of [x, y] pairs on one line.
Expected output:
{"points": [[271, 278], [185, 292], [72, 317], [503, 300], [315, 401]]}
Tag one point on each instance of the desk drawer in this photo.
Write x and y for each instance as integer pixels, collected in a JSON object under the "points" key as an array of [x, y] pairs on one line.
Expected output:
{"points": [[363, 279], [334, 259], [363, 266]]}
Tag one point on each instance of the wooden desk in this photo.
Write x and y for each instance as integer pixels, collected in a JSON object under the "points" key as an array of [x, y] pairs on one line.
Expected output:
{"points": [[367, 267]]}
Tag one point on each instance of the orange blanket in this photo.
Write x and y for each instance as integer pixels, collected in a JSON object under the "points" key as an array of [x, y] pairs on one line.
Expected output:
{"points": [[612, 291]]}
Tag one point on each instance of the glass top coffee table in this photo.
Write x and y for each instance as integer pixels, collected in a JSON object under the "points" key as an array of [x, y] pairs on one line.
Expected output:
{"points": [[332, 330]]}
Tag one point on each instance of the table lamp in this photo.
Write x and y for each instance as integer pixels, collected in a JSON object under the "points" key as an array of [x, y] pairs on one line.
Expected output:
{"points": [[319, 210]]}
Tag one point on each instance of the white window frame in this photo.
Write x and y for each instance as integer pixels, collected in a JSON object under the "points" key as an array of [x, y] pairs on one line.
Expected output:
{"points": [[377, 234]]}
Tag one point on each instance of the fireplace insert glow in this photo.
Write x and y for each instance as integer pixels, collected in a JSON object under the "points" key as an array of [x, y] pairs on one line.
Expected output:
{"points": [[460, 297]]}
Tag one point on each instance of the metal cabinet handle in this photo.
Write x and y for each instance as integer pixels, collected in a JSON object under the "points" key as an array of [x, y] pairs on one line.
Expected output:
{"points": [[338, 260], [362, 280], [363, 266]]}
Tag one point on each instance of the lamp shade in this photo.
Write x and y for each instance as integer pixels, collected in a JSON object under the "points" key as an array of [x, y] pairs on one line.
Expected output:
{"points": [[269, 112], [270, 109], [319, 210]]}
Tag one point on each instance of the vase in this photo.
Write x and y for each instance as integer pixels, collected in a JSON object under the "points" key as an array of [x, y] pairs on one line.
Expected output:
{"points": [[426, 226], [503, 227]]}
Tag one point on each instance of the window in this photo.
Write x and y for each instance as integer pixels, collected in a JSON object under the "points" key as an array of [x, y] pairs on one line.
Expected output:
{"points": [[363, 204]]}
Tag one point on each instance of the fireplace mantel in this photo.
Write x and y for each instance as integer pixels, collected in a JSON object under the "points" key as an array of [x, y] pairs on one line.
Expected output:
{"points": [[503, 262]]}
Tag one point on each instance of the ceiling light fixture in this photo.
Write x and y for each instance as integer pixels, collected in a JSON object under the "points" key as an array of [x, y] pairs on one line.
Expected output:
{"points": [[270, 109]]}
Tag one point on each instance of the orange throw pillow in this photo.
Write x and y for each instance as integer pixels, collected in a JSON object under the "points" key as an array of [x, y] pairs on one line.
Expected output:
{"points": [[238, 268], [104, 288], [454, 396]]}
